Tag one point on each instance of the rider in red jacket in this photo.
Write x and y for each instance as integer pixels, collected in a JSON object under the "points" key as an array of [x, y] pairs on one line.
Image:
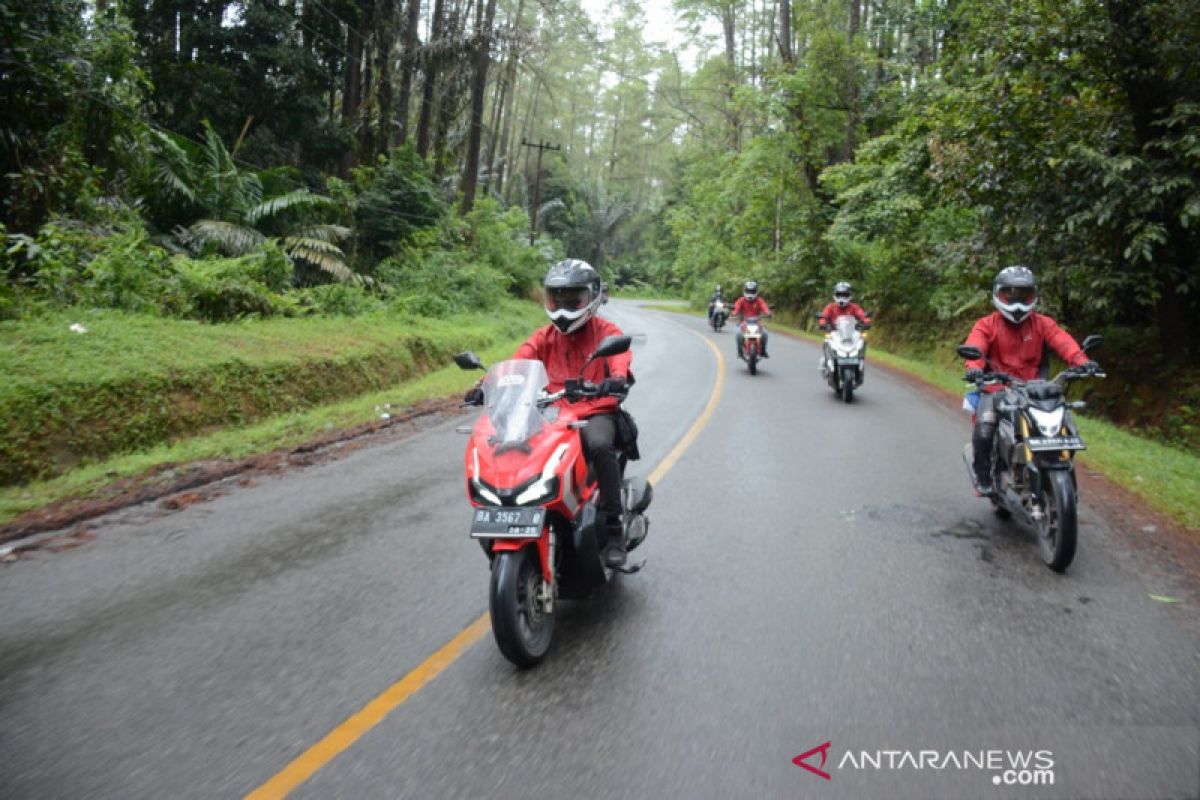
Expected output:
{"points": [[751, 305], [841, 306], [573, 293], [1015, 340]]}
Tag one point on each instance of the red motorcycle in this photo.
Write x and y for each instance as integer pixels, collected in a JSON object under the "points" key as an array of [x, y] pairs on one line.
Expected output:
{"points": [[536, 502], [751, 332]]}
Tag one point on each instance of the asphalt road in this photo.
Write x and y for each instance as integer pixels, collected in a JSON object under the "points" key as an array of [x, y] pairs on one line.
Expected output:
{"points": [[816, 572]]}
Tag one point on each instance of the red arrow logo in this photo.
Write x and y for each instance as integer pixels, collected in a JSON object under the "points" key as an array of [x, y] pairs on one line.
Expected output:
{"points": [[823, 749]]}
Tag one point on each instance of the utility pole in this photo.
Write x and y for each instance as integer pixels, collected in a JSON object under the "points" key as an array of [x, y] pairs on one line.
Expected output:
{"points": [[537, 181]]}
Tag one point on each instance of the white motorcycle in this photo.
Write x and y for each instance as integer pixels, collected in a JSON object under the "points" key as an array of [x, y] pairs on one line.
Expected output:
{"points": [[843, 360], [718, 315]]}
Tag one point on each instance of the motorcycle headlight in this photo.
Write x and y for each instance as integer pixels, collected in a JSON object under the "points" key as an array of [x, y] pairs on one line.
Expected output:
{"points": [[483, 493], [545, 487], [539, 492], [1050, 423]]}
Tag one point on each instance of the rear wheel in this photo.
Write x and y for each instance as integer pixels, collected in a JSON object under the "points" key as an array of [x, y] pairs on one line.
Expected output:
{"points": [[1057, 531], [522, 627], [847, 390]]}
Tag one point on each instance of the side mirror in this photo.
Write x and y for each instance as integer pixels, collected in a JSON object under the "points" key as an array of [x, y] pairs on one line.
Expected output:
{"points": [[611, 346], [969, 353], [468, 360], [1092, 342]]}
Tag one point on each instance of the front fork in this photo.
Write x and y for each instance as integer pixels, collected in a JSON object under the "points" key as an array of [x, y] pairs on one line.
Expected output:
{"points": [[545, 545]]}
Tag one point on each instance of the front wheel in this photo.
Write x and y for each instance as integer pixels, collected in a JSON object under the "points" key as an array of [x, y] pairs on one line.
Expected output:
{"points": [[521, 625], [847, 389], [1057, 531], [752, 360]]}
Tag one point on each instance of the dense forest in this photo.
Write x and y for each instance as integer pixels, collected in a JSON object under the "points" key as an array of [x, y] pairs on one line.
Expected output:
{"points": [[216, 159]]}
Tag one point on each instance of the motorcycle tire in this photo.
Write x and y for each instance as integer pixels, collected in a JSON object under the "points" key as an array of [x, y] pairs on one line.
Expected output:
{"points": [[1057, 531], [753, 362], [847, 390], [523, 630]]}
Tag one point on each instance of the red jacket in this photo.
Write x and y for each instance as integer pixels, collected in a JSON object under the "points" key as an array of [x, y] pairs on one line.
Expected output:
{"points": [[833, 311], [564, 353], [1019, 350], [751, 308]]}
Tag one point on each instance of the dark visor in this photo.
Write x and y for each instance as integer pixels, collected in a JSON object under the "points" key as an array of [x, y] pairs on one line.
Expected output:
{"points": [[1017, 294], [569, 299]]}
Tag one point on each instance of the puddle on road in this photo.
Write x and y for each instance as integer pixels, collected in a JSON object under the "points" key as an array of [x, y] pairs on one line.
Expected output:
{"points": [[964, 529]]}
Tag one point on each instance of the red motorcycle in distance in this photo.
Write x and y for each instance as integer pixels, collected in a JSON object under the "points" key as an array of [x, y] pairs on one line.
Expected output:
{"points": [[535, 501], [751, 332]]}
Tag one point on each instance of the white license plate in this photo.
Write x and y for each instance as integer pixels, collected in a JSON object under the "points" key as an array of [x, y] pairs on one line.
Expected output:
{"points": [[1049, 443], [507, 523]]}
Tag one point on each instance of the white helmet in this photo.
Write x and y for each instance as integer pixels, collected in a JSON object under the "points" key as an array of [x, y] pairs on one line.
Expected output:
{"points": [[1014, 293], [842, 294], [573, 293]]}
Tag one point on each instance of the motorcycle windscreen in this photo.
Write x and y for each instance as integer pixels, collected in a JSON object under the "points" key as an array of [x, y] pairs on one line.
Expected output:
{"points": [[511, 391], [844, 328]]}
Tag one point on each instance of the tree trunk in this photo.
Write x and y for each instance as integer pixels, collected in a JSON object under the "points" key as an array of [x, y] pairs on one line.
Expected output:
{"points": [[478, 92], [785, 33], [728, 20], [350, 91], [426, 116], [510, 91], [383, 68], [408, 65]]}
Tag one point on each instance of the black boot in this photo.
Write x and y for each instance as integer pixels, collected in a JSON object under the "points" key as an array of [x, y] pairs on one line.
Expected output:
{"points": [[614, 554]]}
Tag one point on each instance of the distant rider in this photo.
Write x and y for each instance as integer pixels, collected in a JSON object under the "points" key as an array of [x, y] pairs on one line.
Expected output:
{"points": [[717, 294], [843, 304], [751, 305], [1016, 340], [573, 292]]}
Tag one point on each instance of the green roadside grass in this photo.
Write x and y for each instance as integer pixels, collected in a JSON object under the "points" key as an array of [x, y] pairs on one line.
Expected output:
{"points": [[1166, 478], [122, 347]]}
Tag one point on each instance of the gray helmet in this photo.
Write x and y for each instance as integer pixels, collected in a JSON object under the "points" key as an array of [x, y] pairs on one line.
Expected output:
{"points": [[1014, 292], [573, 293], [842, 293], [750, 290]]}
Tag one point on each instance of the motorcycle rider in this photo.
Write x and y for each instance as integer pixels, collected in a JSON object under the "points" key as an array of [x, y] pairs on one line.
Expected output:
{"points": [[573, 293], [841, 306], [751, 305], [1016, 340], [717, 294]]}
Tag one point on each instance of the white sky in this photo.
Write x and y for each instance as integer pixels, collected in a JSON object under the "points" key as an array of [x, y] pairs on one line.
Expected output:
{"points": [[660, 26]]}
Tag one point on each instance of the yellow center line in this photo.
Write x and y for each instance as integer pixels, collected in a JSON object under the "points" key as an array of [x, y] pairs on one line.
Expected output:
{"points": [[305, 765]]}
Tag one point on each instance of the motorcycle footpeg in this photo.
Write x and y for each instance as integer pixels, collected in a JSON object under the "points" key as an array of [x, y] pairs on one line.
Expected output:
{"points": [[629, 569]]}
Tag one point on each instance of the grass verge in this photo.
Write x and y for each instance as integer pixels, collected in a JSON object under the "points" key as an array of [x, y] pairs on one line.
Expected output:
{"points": [[495, 335], [1167, 479]]}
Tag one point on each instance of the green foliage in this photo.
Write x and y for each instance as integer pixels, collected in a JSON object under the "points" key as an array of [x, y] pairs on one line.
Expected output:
{"points": [[396, 198]]}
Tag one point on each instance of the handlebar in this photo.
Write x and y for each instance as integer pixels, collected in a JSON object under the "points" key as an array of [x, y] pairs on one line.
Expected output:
{"points": [[581, 390], [1068, 374]]}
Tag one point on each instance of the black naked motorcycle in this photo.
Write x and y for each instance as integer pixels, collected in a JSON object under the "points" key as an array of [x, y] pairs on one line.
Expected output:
{"points": [[1033, 466]]}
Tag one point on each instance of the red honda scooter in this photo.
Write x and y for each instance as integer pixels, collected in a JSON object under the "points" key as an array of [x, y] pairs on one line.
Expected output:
{"points": [[536, 501]]}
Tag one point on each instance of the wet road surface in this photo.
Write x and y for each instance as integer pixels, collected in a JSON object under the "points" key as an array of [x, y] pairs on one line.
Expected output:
{"points": [[816, 572]]}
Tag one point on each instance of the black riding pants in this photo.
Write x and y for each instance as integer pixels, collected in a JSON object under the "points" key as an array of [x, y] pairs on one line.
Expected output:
{"points": [[600, 449]]}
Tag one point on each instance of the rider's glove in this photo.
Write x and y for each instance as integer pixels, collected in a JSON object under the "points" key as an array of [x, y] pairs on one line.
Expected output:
{"points": [[1090, 367], [474, 396], [614, 385], [973, 375]]}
